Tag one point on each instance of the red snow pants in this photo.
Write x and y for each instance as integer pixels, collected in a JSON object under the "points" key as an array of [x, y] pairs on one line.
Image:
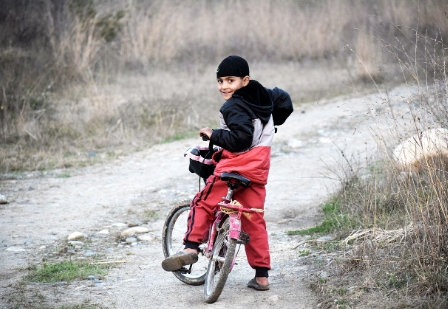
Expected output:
{"points": [[202, 211]]}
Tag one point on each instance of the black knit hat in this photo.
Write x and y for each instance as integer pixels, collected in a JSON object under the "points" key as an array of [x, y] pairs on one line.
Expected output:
{"points": [[233, 66]]}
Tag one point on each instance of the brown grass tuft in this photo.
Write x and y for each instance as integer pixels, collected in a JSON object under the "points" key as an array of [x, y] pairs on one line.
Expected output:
{"points": [[400, 203]]}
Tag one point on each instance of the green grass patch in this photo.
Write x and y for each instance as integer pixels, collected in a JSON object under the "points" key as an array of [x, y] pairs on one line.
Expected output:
{"points": [[304, 252], [333, 220], [150, 215], [65, 271]]}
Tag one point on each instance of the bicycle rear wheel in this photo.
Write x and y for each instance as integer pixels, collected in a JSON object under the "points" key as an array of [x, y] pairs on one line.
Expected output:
{"points": [[172, 237], [220, 264]]}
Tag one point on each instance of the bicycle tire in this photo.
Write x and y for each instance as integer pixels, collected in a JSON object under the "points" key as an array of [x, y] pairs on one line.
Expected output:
{"points": [[172, 242], [224, 250]]}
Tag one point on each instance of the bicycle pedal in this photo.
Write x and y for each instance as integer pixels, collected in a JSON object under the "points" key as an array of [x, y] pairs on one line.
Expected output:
{"points": [[184, 270]]}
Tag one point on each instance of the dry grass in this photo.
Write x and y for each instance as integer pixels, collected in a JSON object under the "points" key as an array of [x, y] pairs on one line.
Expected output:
{"points": [[399, 251], [398, 254], [116, 116], [99, 76]]}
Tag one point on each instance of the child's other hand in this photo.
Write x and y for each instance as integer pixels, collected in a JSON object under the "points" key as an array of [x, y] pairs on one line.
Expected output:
{"points": [[206, 131]]}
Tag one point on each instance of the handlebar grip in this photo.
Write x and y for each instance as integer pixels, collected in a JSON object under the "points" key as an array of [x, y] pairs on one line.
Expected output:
{"points": [[204, 137]]}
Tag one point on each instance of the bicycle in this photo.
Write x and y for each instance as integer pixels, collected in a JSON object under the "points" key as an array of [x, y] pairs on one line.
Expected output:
{"points": [[219, 249]]}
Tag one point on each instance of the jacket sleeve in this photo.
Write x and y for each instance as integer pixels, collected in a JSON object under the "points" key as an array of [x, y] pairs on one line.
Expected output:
{"points": [[282, 105], [240, 134]]}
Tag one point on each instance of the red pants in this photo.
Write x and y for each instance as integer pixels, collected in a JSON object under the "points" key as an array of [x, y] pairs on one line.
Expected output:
{"points": [[202, 215]]}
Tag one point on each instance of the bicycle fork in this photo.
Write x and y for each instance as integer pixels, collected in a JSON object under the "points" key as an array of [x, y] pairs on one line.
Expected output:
{"points": [[234, 228], [234, 232], [235, 225]]}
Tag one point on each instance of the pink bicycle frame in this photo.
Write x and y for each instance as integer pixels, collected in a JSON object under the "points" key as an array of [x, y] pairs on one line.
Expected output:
{"points": [[234, 224], [212, 233]]}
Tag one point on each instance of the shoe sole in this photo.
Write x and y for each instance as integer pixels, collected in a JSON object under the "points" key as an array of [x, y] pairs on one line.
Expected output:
{"points": [[176, 262], [254, 285]]}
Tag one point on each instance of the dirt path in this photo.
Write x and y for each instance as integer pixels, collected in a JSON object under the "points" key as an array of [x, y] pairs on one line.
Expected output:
{"points": [[140, 189]]}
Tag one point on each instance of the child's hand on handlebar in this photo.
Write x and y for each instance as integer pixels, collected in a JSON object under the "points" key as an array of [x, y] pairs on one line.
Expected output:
{"points": [[205, 133]]}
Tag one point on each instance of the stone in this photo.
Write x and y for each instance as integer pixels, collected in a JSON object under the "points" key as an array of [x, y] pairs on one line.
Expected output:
{"points": [[323, 274], [325, 238], [104, 232], [15, 249], [75, 236], [89, 253], [273, 299], [324, 140], [76, 243], [134, 223], [134, 230], [430, 143], [131, 240], [145, 237], [60, 283], [3, 199], [295, 143]]}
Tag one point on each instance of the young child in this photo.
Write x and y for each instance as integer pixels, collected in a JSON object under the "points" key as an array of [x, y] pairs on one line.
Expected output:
{"points": [[247, 129]]}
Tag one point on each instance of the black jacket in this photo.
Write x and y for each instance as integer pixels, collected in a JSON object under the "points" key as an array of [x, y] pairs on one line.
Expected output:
{"points": [[249, 103]]}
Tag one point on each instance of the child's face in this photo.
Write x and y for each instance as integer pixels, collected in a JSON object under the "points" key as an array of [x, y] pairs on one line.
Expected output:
{"points": [[227, 85]]}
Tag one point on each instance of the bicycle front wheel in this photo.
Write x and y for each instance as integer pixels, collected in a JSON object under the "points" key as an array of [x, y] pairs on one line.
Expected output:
{"points": [[172, 237], [220, 263]]}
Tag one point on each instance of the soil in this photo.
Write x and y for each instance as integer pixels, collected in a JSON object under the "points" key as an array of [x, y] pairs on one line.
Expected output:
{"points": [[45, 207]]}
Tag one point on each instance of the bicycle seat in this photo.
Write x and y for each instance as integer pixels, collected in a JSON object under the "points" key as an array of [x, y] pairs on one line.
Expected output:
{"points": [[233, 176]]}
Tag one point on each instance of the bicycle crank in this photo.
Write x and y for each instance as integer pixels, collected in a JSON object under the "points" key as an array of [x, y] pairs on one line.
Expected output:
{"points": [[243, 239]]}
